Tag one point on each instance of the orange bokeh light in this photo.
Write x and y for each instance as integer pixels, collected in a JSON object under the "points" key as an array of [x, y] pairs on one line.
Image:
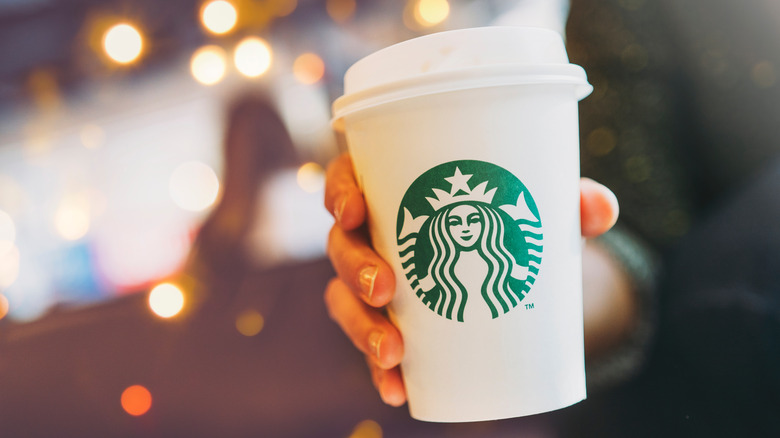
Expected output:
{"points": [[308, 68], [136, 400], [3, 306], [341, 10]]}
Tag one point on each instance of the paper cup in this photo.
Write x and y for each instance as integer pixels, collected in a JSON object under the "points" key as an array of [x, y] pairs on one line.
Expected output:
{"points": [[465, 144]]}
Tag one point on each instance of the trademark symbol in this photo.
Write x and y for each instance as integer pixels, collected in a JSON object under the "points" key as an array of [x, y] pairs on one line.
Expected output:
{"points": [[529, 306]]}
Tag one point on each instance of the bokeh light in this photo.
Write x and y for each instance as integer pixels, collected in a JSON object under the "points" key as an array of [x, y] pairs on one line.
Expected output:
{"points": [[431, 12], [71, 220], [219, 17], [12, 197], [367, 429], [250, 322], [9, 267], [92, 136], [3, 306], [136, 400], [341, 11], [311, 177], [44, 88], [166, 300], [308, 68], [208, 65], [38, 141], [7, 232], [194, 186], [123, 43], [253, 57], [285, 7]]}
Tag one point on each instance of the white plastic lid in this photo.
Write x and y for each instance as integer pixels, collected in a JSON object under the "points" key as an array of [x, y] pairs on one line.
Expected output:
{"points": [[456, 60]]}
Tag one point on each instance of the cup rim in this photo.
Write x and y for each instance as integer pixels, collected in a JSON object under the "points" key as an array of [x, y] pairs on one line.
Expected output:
{"points": [[461, 79]]}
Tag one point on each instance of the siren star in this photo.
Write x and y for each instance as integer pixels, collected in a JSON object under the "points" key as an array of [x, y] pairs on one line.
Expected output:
{"points": [[459, 182]]}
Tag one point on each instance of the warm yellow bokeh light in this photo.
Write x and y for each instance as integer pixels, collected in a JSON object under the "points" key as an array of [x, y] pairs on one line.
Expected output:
{"points": [[250, 322], [431, 12], [166, 300], [9, 267], [208, 65], [253, 57], [341, 10], [367, 429], [194, 186], [3, 306], [71, 220], [308, 68], [311, 177], [7, 232], [285, 7], [123, 43], [219, 17]]}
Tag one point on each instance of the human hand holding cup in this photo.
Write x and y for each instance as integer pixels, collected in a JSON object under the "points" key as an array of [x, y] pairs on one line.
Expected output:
{"points": [[468, 160]]}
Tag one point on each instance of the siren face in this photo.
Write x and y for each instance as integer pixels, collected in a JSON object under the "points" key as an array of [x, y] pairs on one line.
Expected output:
{"points": [[464, 223]]}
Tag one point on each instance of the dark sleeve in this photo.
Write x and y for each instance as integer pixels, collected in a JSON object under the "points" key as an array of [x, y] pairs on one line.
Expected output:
{"points": [[633, 140], [722, 315]]}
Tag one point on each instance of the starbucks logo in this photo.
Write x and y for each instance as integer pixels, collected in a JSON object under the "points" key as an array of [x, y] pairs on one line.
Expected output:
{"points": [[470, 240]]}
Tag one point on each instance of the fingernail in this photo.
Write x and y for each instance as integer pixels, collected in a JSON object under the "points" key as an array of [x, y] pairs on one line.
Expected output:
{"points": [[366, 278], [375, 342], [339, 210], [393, 399]]}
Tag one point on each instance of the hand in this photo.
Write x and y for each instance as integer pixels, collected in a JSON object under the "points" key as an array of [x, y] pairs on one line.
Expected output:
{"points": [[365, 283]]}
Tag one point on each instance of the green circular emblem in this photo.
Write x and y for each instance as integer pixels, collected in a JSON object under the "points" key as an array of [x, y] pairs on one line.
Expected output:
{"points": [[470, 239]]}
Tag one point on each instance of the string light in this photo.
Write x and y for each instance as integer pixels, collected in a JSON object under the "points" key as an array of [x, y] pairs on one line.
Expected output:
{"points": [[136, 400], [308, 68], [166, 300], [250, 322], [285, 7], [253, 57], [208, 65], [123, 43], [341, 11], [367, 429], [431, 12], [311, 177], [71, 220], [219, 17], [194, 186]]}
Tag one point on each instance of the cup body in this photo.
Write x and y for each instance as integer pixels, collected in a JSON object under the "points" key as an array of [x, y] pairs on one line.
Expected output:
{"points": [[473, 199]]}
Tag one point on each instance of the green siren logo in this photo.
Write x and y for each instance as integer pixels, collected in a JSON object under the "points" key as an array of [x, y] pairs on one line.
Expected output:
{"points": [[470, 240]]}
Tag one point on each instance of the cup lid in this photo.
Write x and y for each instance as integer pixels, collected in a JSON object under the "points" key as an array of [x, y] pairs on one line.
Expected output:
{"points": [[459, 59]]}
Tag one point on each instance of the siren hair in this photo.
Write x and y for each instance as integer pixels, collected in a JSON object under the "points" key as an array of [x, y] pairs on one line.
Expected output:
{"points": [[496, 290]]}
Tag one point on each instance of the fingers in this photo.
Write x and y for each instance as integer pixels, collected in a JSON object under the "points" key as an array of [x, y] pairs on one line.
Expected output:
{"points": [[343, 198], [366, 327], [360, 267], [598, 208], [388, 383]]}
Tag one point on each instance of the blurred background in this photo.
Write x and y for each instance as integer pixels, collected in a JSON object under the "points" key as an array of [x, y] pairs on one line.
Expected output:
{"points": [[112, 115], [162, 234], [135, 279]]}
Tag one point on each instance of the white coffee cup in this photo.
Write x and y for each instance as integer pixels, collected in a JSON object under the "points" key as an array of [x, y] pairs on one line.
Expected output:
{"points": [[465, 144]]}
